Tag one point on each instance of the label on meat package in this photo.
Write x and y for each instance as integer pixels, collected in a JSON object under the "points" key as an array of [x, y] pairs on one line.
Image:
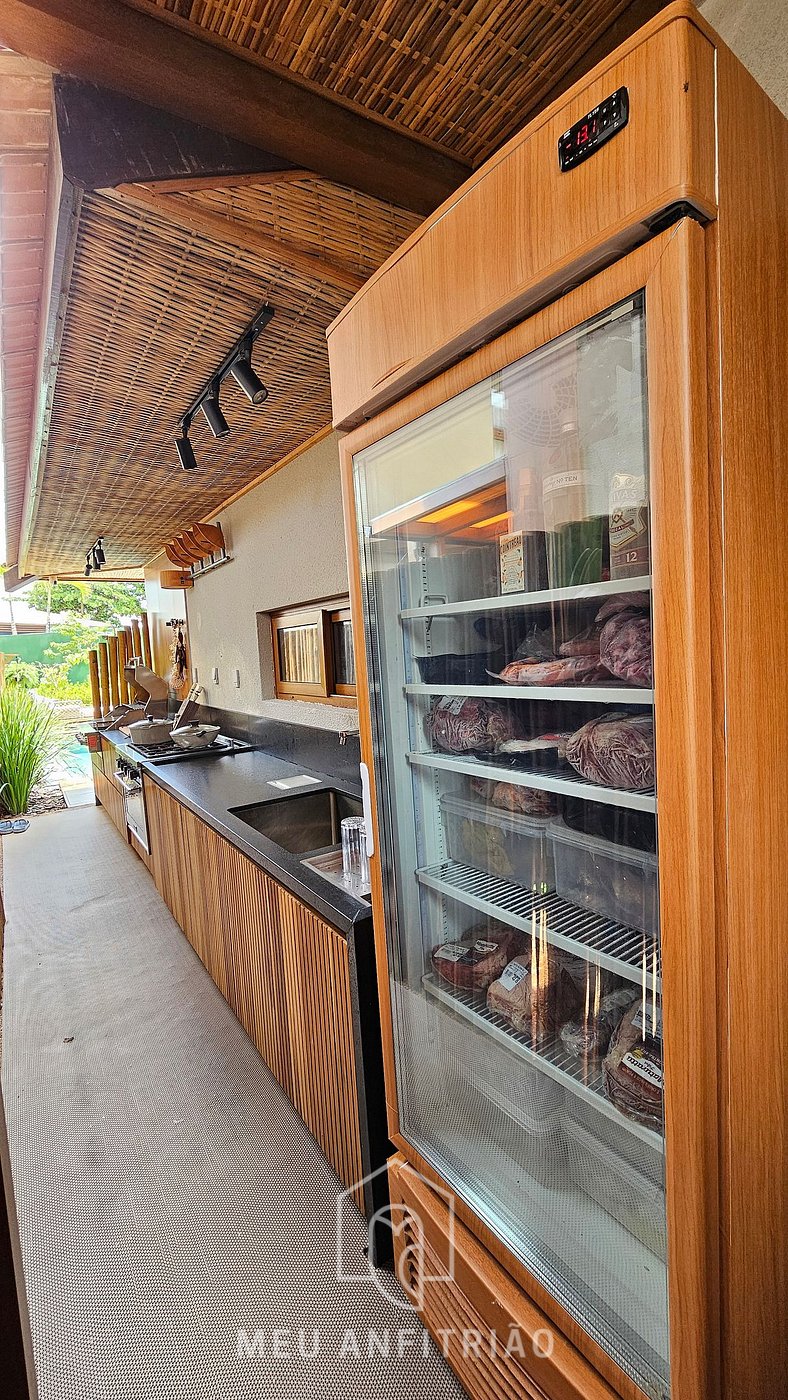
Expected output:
{"points": [[513, 975], [468, 953], [638, 1062], [451, 952], [651, 1023], [452, 703]]}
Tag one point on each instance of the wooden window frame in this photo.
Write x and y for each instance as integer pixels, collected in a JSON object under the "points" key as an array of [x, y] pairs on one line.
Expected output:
{"points": [[321, 616]]}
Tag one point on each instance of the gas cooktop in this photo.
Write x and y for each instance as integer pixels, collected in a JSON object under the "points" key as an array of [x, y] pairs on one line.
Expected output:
{"points": [[170, 753]]}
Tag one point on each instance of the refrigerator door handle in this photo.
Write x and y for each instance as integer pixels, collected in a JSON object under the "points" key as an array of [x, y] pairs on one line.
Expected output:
{"points": [[366, 798]]}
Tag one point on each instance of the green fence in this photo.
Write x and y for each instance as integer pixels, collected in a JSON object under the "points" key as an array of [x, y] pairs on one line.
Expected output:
{"points": [[30, 646]]}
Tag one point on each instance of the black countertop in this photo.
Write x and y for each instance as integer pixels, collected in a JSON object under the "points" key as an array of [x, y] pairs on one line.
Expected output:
{"points": [[210, 787]]}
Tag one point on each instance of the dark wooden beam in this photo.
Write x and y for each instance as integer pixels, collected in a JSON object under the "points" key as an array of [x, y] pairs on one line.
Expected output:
{"points": [[107, 138], [156, 58]]}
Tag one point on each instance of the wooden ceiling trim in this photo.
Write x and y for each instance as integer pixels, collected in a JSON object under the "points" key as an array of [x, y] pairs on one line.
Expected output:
{"points": [[231, 91], [195, 219], [187, 184]]}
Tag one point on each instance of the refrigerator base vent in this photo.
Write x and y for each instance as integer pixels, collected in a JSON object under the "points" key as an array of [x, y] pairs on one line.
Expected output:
{"points": [[492, 1335]]}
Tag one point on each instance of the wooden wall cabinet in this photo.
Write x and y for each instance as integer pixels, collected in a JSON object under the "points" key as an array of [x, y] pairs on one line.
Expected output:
{"points": [[283, 970]]}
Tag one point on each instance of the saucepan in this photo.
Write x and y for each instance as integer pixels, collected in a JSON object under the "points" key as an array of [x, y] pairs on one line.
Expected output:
{"points": [[195, 736]]}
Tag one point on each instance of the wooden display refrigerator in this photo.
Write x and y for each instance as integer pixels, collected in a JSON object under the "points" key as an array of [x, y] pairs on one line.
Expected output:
{"points": [[565, 489]]}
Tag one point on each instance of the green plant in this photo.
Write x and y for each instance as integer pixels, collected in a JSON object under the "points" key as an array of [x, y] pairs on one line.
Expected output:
{"points": [[26, 743], [23, 673], [57, 686]]}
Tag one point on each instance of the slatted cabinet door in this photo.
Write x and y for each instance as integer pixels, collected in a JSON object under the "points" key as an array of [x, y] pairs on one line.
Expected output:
{"points": [[283, 971], [321, 1035]]}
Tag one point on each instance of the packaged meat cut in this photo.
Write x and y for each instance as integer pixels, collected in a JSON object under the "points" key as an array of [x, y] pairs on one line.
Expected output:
{"points": [[633, 1067], [561, 670], [615, 750], [541, 1003], [468, 725], [544, 746], [476, 961], [584, 644], [622, 602], [528, 802], [625, 647], [588, 1037]]}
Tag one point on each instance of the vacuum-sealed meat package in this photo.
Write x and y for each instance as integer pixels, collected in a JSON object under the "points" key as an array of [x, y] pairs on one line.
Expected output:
{"points": [[633, 1067], [622, 602], [588, 1036], [478, 959], [615, 750], [625, 647], [561, 670], [458, 724], [526, 802], [538, 1003]]}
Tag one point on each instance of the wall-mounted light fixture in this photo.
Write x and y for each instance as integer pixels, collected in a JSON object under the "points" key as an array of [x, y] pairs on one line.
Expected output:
{"points": [[238, 363], [95, 558]]}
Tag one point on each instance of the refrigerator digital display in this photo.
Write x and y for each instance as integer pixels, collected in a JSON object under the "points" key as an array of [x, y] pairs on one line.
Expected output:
{"points": [[591, 132]]}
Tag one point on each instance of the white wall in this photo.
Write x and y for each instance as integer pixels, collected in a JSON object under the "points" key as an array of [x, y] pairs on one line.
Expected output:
{"points": [[287, 542], [757, 31]]}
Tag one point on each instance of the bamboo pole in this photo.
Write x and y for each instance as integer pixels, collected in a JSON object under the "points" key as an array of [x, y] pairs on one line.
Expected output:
{"points": [[94, 683], [147, 655], [114, 685], [103, 663], [122, 682], [136, 634]]}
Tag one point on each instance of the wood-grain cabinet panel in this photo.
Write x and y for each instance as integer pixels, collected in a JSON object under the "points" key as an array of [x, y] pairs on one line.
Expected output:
{"points": [[111, 799], [282, 969]]}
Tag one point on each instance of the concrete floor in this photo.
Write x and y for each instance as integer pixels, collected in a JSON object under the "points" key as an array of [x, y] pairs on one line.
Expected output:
{"points": [[172, 1203]]}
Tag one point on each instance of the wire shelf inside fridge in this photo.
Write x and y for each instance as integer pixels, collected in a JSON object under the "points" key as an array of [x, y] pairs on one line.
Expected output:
{"points": [[548, 1055], [619, 950], [544, 597], [585, 694], [498, 770]]}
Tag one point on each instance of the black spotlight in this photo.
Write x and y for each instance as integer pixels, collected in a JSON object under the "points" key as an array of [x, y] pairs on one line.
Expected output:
{"points": [[99, 558], [252, 385], [87, 567], [186, 452], [213, 414]]}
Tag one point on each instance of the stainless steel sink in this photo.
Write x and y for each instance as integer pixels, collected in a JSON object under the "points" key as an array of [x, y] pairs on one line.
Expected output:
{"points": [[308, 822]]}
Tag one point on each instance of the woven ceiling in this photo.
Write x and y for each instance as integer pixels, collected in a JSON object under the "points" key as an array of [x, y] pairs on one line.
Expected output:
{"points": [[461, 73], [151, 311]]}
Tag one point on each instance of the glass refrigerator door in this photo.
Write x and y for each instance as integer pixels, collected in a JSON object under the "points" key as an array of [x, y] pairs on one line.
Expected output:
{"points": [[505, 549]]}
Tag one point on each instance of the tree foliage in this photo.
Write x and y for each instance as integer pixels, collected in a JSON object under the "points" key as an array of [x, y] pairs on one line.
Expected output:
{"points": [[103, 602]]}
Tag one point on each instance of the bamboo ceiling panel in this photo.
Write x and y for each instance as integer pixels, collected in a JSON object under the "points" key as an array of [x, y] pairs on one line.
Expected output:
{"points": [[460, 73], [152, 309]]}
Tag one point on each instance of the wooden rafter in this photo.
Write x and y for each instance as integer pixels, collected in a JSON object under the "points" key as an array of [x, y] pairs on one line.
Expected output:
{"points": [[247, 97], [195, 219]]}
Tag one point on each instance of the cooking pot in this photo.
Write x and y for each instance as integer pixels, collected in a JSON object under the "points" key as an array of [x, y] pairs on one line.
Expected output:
{"points": [[150, 731], [195, 736]]}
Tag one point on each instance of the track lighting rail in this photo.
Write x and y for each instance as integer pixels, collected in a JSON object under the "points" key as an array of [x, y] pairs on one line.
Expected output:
{"points": [[238, 363]]}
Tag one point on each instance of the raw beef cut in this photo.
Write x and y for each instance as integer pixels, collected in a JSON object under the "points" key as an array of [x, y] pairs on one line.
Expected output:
{"points": [[481, 956], [625, 647], [584, 644], [615, 750], [545, 745], [588, 1037], [622, 602], [468, 725], [562, 670], [633, 1067], [528, 802], [540, 1004]]}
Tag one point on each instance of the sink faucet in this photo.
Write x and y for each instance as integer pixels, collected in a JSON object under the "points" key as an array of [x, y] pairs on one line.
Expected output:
{"points": [[345, 734]]}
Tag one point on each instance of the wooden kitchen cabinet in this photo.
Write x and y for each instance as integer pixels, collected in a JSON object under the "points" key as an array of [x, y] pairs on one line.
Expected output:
{"points": [[282, 969], [108, 793]]}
